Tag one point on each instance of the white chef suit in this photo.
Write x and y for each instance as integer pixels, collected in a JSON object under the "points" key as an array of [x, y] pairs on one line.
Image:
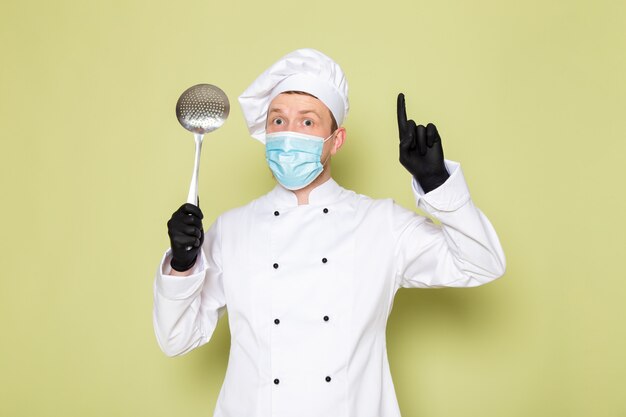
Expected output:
{"points": [[309, 289]]}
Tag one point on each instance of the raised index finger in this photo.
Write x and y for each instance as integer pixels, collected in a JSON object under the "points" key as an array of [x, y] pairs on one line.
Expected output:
{"points": [[401, 114]]}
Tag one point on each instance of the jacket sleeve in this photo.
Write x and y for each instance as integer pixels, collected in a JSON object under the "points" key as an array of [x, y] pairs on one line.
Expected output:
{"points": [[464, 251], [186, 309]]}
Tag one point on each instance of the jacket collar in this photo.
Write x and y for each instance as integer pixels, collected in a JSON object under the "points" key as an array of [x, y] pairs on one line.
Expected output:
{"points": [[326, 193]]}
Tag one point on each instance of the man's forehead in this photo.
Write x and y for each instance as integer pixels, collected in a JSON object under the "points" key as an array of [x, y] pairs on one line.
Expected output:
{"points": [[302, 102]]}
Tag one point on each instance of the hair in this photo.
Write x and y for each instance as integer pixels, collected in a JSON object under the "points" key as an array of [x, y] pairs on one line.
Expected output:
{"points": [[333, 124]]}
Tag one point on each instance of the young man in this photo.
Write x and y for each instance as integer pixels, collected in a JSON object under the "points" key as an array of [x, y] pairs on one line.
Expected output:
{"points": [[309, 271]]}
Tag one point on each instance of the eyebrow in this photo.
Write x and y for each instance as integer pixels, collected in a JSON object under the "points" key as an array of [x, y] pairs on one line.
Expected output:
{"points": [[309, 111], [306, 111]]}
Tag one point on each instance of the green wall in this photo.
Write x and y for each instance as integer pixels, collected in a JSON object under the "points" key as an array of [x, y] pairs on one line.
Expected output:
{"points": [[529, 96]]}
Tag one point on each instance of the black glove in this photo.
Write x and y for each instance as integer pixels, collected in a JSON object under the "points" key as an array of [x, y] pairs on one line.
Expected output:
{"points": [[421, 152], [186, 236]]}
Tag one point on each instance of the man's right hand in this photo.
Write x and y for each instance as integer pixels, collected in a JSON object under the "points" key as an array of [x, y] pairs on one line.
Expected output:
{"points": [[186, 236]]}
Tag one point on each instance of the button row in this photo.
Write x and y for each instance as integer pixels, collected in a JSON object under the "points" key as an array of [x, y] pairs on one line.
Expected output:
{"points": [[324, 260], [326, 318], [277, 381], [277, 321], [277, 213]]}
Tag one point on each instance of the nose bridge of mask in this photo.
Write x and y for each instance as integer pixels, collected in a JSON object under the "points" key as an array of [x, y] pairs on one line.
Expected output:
{"points": [[293, 142]]}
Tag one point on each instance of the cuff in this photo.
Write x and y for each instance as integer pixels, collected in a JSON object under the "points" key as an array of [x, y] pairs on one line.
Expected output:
{"points": [[449, 196], [177, 287]]}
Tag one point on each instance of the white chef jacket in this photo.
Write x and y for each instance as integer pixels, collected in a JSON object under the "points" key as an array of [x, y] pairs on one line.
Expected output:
{"points": [[309, 289]]}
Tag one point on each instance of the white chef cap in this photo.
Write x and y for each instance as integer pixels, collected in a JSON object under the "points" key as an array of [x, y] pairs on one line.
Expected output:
{"points": [[305, 70]]}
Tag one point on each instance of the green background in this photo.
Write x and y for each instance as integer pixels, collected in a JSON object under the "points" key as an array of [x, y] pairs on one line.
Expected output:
{"points": [[529, 96]]}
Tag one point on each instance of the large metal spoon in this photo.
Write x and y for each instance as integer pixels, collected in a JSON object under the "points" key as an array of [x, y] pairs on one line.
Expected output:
{"points": [[201, 109]]}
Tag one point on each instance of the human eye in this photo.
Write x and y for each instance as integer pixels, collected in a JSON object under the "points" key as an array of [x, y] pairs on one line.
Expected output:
{"points": [[308, 122], [278, 121]]}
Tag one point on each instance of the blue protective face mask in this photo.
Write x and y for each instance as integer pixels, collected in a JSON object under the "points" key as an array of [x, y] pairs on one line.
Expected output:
{"points": [[294, 158]]}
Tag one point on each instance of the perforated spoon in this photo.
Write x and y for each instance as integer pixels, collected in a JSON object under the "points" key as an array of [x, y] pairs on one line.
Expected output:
{"points": [[201, 109]]}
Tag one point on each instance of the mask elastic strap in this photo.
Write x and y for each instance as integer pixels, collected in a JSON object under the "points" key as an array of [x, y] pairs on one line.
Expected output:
{"points": [[328, 157], [331, 135]]}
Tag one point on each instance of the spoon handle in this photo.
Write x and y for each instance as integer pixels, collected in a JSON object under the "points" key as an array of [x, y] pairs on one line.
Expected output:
{"points": [[192, 197]]}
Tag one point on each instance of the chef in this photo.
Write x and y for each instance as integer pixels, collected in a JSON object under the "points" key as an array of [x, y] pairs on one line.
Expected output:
{"points": [[308, 272]]}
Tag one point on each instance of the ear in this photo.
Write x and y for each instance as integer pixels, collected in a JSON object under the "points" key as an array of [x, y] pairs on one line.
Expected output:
{"points": [[340, 138]]}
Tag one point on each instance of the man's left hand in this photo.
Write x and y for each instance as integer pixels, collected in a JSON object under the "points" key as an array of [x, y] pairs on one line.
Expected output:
{"points": [[421, 152]]}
